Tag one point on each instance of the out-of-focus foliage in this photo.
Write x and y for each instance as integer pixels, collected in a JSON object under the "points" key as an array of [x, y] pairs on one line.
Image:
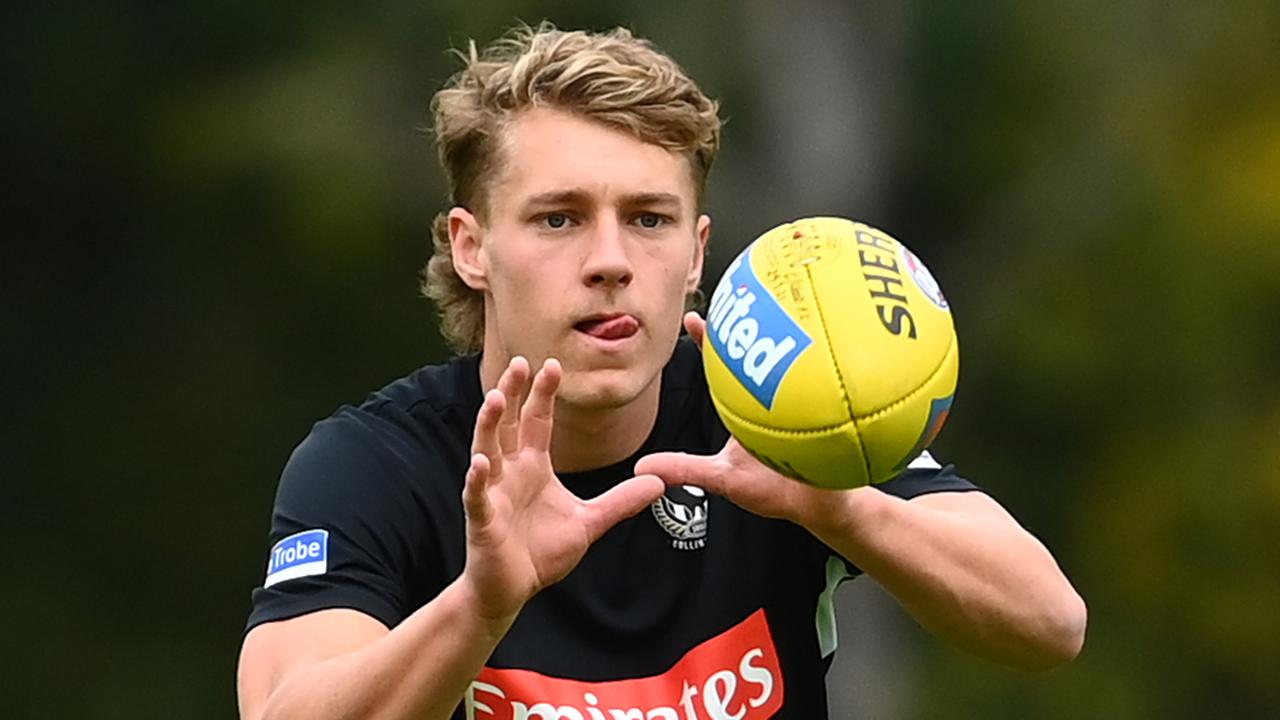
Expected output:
{"points": [[219, 210], [1110, 174]]}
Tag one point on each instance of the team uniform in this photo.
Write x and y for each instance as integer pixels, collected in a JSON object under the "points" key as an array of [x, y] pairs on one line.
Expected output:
{"points": [[692, 610]]}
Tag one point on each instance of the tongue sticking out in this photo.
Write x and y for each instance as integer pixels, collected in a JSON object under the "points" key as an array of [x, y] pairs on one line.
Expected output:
{"points": [[614, 328]]}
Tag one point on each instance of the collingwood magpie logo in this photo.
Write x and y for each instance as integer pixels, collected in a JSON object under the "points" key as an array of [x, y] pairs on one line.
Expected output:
{"points": [[682, 512]]}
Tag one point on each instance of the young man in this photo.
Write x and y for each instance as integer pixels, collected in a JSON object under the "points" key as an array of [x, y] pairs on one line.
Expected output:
{"points": [[559, 527]]}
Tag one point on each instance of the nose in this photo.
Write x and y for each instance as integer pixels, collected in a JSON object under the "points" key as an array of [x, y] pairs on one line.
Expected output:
{"points": [[607, 263]]}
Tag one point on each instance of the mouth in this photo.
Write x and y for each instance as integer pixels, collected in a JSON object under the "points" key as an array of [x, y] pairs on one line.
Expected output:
{"points": [[609, 326]]}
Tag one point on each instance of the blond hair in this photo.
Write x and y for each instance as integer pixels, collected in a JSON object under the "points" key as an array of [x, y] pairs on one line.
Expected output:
{"points": [[613, 78]]}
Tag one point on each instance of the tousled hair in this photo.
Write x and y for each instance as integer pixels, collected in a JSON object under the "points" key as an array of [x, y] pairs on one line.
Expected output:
{"points": [[613, 78]]}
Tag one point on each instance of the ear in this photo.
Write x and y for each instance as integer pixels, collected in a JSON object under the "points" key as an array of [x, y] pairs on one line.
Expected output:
{"points": [[703, 233], [467, 247]]}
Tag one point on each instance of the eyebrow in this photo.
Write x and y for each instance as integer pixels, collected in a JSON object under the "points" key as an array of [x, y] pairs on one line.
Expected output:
{"points": [[576, 196]]}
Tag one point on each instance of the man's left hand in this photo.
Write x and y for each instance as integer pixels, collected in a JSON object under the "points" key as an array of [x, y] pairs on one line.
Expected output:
{"points": [[734, 474]]}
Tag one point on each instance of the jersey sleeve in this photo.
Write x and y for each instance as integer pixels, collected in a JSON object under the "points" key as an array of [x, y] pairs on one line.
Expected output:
{"points": [[923, 476], [341, 532]]}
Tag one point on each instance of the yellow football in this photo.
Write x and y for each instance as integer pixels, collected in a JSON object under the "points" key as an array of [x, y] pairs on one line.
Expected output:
{"points": [[830, 352]]}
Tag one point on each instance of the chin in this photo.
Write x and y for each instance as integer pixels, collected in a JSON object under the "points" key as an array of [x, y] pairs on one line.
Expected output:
{"points": [[602, 389]]}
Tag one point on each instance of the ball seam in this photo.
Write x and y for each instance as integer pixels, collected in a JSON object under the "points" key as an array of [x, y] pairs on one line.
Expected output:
{"points": [[951, 342], [844, 388], [769, 429]]}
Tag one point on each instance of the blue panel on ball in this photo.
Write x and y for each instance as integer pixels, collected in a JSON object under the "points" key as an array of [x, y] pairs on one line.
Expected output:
{"points": [[751, 333]]}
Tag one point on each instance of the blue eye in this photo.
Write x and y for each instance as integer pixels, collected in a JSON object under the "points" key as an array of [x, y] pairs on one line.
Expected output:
{"points": [[556, 221], [651, 221]]}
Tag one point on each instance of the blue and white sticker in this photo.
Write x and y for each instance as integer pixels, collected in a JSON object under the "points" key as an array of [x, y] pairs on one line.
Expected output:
{"points": [[753, 335], [299, 555], [923, 278]]}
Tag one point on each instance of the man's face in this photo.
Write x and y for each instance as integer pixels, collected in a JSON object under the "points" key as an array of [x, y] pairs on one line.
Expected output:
{"points": [[592, 243]]}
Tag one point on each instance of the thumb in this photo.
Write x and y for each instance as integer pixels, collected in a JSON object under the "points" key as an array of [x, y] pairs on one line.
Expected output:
{"points": [[695, 326], [677, 468], [620, 502]]}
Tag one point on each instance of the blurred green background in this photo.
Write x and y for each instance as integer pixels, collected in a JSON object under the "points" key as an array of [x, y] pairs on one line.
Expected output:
{"points": [[219, 210]]}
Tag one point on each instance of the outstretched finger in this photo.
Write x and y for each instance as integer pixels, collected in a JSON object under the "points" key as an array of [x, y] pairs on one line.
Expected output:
{"points": [[535, 416], [485, 441], [621, 502], [475, 496], [677, 468], [513, 384], [695, 326]]}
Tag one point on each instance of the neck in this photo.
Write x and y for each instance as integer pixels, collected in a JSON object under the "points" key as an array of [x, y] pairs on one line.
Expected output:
{"points": [[586, 438]]}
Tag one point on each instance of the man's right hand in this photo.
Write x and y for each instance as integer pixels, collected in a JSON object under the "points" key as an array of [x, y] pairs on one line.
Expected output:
{"points": [[525, 531]]}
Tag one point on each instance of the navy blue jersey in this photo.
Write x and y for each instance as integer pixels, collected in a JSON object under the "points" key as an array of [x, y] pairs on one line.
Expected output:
{"points": [[692, 609]]}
